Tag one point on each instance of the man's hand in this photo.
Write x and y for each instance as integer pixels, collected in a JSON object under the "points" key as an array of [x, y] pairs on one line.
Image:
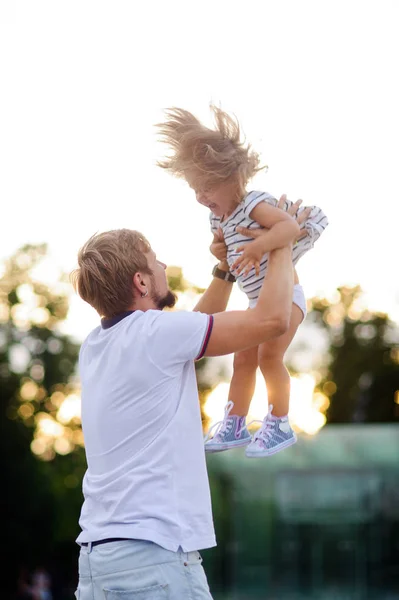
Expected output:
{"points": [[293, 211], [253, 252], [218, 248]]}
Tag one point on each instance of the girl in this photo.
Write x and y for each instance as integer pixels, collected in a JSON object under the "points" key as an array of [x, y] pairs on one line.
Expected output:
{"points": [[217, 165]]}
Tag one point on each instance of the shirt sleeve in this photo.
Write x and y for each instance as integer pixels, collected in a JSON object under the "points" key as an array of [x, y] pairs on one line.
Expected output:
{"points": [[176, 337], [314, 225], [255, 198]]}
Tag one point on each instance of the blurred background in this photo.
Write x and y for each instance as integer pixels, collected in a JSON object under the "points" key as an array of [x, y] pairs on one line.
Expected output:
{"points": [[313, 85]]}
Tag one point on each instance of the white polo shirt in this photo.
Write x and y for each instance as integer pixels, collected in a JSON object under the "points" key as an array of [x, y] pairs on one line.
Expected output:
{"points": [[146, 476]]}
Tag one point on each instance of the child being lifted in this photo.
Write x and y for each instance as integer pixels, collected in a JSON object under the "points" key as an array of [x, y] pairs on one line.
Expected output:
{"points": [[218, 166]]}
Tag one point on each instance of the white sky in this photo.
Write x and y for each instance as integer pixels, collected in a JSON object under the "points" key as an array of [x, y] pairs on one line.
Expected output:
{"points": [[313, 83]]}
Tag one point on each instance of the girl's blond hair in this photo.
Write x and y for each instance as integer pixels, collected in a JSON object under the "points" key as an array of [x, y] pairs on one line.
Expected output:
{"points": [[206, 157], [107, 263]]}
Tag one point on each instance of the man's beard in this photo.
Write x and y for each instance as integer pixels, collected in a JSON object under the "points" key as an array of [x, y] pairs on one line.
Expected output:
{"points": [[166, 301]]}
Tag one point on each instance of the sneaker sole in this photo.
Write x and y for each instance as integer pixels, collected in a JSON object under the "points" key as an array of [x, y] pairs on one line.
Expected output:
{"points": [[227, 446], [264, 453]]}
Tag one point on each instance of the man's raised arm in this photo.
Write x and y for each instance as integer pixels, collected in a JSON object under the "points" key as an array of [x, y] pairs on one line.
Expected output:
{"points": [[238, 330], [216, 297]]}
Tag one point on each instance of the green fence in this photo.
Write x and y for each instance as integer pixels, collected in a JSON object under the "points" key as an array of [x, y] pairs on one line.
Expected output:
{"points": [[319, 520]]}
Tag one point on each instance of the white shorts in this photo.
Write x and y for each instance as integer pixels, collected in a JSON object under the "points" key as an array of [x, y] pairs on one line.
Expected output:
{"points": [[298, 299]]}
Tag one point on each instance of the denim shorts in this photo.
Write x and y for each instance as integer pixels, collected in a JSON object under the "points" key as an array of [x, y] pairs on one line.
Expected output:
{"points": [[140, 570]]}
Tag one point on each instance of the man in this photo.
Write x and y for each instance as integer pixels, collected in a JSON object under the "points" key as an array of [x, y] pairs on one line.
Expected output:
{"points": [[147, 508]]}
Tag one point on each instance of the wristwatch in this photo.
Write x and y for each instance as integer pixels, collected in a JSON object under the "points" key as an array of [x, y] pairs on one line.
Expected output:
{"points": [[225, 275]]}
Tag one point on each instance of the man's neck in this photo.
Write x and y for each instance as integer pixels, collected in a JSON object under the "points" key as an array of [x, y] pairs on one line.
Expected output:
{"points": [[143, 304]]}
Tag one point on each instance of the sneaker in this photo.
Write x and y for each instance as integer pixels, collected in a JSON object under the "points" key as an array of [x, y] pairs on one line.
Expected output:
{"points": [[274, 435], [231, 432]]}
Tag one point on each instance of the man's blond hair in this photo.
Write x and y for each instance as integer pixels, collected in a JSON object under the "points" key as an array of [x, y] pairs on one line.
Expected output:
{"points": [[107, 263], [206, 157]]}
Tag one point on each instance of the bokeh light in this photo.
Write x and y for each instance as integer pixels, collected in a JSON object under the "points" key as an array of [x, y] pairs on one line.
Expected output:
{"points": [[69, 409], [306, 412]]}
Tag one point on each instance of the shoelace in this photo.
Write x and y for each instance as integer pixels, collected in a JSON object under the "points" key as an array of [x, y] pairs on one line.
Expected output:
{"points": [[221, 426], [266, 431]]}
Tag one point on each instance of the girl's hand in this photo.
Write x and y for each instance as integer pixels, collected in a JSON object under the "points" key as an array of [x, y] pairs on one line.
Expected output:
{"points": [[218, 248]]}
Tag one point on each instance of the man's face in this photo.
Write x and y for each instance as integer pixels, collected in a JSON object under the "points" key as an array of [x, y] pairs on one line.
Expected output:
{"points": [[160, 293]]}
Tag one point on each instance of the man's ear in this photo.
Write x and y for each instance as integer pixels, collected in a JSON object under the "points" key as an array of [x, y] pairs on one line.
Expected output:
{"points": [[139, 284]]}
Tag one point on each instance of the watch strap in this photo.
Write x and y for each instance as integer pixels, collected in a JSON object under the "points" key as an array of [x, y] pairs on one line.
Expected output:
{"points": [[225, 275]]}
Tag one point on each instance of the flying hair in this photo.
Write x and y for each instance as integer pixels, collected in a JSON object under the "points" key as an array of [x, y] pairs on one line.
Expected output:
{"points": [[206, 157]]}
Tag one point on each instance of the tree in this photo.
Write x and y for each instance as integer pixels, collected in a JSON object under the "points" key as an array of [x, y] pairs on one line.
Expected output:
{"points": [[362, 379], [37, 362]]}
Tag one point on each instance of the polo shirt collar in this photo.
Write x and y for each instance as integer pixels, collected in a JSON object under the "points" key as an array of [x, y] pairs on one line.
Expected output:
{"points": [[107, 323]]}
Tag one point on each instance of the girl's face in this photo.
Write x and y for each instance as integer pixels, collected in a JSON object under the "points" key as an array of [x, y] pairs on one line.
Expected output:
{"points": [[221, 199]]}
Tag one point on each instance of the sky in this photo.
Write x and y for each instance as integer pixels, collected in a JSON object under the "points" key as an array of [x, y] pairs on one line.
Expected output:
{"points": [[313, 84]]}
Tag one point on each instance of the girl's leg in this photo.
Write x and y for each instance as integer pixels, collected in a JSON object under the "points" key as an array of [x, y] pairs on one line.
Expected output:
{"points": [[275, 433], [231, 432], [242, 384], [271, 362]]}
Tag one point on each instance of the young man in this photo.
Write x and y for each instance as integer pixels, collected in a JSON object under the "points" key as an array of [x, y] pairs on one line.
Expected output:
{"points": [[147, 508]]}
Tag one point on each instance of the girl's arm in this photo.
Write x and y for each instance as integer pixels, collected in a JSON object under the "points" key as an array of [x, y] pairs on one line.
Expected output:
{"points": [[276, 220], [278, 226], [312, 221]]}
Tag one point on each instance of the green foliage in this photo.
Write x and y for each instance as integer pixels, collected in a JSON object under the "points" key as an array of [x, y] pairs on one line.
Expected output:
{"points": [[363, 372], [177, 283], [37, 361], [36, 364]]}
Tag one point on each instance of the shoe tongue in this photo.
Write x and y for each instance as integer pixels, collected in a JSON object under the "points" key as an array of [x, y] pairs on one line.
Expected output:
{"points": [[233, 419]]}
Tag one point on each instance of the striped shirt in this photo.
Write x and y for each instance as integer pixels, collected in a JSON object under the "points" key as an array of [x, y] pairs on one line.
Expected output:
{"points": [[252, 283]]}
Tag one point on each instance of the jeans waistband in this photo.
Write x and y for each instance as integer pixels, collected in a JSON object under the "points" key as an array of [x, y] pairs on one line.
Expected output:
{"points": [[98, 542]]}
